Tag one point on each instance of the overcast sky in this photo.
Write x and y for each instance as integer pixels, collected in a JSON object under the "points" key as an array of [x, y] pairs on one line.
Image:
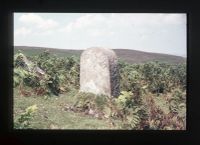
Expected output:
{"points": [[160, 33]]}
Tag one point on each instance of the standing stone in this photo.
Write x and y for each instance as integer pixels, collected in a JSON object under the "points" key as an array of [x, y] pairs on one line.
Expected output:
{"points": [[99, 72]]}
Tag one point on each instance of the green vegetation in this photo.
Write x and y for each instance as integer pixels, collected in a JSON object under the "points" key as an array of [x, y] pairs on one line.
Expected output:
{"points": [[23, 120], [153, 96]]}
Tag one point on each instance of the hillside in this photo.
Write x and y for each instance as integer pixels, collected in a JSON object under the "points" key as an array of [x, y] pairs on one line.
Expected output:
{"points": [[46, 94], [130, 56]]}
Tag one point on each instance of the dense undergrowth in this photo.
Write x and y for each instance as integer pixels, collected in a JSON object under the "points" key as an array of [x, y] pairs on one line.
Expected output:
{"points": [[153, 94]]}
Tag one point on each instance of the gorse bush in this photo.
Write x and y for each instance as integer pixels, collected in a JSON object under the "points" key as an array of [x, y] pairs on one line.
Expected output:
{"points": [[163, 77], [156, 77], [64, 72], [61, 74], [130, 77]]}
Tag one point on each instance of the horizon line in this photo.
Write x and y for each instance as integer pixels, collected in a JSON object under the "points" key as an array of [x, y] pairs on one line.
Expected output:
{"points": [[43, 47]]}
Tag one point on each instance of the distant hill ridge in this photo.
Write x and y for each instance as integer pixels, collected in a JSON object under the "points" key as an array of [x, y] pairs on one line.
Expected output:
{"points": [[130, 56]]}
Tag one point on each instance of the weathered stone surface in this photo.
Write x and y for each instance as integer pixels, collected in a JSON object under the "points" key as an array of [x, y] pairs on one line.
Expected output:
{"points": [[99, 72], [28, 65]]}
